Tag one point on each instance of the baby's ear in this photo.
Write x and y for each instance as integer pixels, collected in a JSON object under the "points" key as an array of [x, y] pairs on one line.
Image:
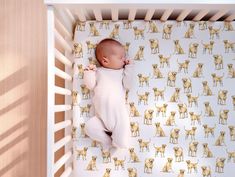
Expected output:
{"points": [[105, 60]]}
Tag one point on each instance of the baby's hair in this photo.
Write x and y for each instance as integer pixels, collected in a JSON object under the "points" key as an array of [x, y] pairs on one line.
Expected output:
{"points": [[102, 43]]}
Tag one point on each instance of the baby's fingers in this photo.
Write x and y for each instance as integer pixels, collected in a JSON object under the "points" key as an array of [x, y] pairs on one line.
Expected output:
{"points": [[90, 67], [127, 62], [93, 67]]}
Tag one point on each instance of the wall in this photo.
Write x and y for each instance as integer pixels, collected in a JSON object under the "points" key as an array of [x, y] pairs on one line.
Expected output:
{"points": [[23, 88]]}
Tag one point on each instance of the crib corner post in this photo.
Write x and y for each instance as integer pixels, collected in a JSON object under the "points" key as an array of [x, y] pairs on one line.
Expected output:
{"points": [[50, 90]]}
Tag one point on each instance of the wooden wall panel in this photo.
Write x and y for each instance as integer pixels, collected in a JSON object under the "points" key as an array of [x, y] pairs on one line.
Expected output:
{"points": [[23, 88]]}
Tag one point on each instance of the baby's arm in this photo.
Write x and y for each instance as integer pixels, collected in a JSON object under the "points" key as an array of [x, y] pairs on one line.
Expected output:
{"points": [[128, 75], [90, 76]]}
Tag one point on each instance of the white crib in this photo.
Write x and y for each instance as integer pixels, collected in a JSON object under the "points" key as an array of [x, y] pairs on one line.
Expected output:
{"points": [[62, 17]]}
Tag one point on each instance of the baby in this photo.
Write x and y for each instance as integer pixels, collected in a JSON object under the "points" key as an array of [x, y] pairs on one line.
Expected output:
{"points": [[111, 125]]}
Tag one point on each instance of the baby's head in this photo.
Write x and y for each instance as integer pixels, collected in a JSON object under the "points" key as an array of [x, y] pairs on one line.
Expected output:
{"points": [[110, 54]]}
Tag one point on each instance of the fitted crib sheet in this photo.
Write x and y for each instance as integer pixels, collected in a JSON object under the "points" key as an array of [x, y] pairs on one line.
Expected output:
{"points": [[192, 66]]}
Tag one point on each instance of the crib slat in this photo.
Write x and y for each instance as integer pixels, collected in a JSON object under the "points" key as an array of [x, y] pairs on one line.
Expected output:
{"points": [[183, 15], [218, 15], [70, 15], [62, 91], [60, 108], [149, 14], [166, 14], [114, 14], [97, 14], [62, 58], [62, 41], [62, 161], [62, 74], [200, 15], [67, 172], [230, 18], [63, 18], [63, 29], [62, 125], [62, 142], [80, 13], [132, 14]]}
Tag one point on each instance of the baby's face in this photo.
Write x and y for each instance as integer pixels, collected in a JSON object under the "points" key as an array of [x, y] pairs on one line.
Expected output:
{"points": [[117, 58]]}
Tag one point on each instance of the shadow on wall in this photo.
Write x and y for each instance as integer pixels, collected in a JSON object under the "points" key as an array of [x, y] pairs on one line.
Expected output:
{"points": [[14, 127]]}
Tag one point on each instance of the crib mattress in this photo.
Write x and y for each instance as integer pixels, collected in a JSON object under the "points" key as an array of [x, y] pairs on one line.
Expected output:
{"points": [[190, 78]]}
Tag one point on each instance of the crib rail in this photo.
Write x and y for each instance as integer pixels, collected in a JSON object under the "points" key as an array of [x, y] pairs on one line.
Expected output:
{"points": [[58, 35], [147, 10]]}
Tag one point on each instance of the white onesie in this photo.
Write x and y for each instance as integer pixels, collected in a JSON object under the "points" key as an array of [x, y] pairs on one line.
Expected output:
{"points": [[111, 114]]}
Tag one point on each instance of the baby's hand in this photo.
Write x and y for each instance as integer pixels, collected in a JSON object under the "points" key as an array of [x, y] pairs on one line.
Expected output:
{"points": [[127, 62], [91, 67]]}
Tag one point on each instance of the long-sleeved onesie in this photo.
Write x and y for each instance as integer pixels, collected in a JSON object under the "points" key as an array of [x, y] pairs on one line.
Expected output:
{"points": [[111, 114]]}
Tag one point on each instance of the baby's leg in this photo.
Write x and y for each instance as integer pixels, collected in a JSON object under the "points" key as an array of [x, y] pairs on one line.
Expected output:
{"points": [[121, 136], [121, 141], [95, 129]]}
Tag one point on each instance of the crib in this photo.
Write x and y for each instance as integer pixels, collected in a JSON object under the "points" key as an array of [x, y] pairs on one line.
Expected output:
{"points": [[62, 17]]}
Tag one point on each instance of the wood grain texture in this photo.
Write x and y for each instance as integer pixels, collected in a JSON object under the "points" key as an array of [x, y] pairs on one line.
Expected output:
{"points": [[23, 88]]}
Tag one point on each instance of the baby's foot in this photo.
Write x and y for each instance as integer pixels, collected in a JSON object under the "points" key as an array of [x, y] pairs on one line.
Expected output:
{"points": [[118, 152], [113, 151]]}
